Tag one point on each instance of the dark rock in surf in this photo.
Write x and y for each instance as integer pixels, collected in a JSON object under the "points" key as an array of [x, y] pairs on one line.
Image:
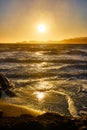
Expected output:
{"points": [[10, 93], [0, 92], [1, 113], [5, 86], [4, 82]]}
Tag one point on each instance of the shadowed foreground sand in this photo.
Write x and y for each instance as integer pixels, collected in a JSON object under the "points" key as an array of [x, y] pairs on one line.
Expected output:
{"points": [[13, 117]]}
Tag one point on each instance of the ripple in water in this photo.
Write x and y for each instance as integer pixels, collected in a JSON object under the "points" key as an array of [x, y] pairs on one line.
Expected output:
{"points": [[47, 77]]}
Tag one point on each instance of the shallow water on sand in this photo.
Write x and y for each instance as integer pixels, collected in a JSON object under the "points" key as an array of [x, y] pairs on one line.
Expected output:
{"points": [[47, 77]]}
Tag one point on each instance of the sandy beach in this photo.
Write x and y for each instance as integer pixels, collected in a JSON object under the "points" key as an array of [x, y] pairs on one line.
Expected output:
{"points": [[10, 110], [14, 117]]}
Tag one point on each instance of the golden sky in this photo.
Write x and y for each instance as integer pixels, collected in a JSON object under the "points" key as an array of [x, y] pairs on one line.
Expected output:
{"points": [[19, 19]]}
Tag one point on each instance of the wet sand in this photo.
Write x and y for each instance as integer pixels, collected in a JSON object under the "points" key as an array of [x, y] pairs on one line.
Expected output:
{"points": [[14, 117], [10, 110]]}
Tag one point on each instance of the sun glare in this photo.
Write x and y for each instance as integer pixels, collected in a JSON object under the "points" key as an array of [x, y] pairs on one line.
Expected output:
{"points": [[42, 28], [40, 95]]}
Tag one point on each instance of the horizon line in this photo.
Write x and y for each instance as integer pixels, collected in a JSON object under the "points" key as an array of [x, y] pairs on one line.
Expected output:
{"points": [[47, 41]]}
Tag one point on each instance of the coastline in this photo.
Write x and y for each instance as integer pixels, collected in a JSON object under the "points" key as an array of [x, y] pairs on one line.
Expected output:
{"points": [[11, 110], [17, 117]]}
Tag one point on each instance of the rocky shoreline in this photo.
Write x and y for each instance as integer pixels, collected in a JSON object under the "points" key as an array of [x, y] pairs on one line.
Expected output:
{"points": [[14, 117], [27, 119]]}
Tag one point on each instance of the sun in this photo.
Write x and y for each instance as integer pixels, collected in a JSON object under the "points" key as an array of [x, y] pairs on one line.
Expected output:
{"points": [[42, 28]]}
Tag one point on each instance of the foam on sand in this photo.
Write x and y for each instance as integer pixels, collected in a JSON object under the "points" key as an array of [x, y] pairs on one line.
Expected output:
{"points": [[71, 106]]}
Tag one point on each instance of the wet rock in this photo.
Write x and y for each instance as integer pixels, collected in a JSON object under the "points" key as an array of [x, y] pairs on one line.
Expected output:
{"points": [[1, 113], [0, 92], [10, 93], [5, 85], [83, 128], [4, 82]]}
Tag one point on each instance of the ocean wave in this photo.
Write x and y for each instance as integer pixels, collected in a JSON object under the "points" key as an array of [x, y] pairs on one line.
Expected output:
{"points": [[34, 60], [77, 52], [58, 71]]}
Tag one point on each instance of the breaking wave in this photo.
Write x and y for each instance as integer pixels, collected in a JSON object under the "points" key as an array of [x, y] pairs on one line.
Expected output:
{"points": [[47, 77]]}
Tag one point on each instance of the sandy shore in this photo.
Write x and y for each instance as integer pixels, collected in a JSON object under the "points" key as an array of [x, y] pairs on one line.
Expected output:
{"points": [[15, 117], [10, 110]]}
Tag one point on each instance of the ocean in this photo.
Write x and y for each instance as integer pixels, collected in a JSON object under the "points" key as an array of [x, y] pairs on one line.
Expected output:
{"points": [[47, 77]]}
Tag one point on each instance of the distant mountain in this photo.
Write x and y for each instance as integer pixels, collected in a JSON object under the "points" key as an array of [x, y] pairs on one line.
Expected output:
{"points": [[78, 40], [75, 40]]}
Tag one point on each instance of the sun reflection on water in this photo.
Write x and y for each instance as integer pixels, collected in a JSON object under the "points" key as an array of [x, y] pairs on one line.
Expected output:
{"points": [[40, 95], [42, 88], [41, 65], [44, 85], [38, 53]]}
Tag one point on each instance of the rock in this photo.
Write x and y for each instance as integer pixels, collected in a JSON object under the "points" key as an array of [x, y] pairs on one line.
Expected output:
{"points": [[5, 86], [0, 92], [83, 128], [4, 82], [1, 113], [10, 93]]}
